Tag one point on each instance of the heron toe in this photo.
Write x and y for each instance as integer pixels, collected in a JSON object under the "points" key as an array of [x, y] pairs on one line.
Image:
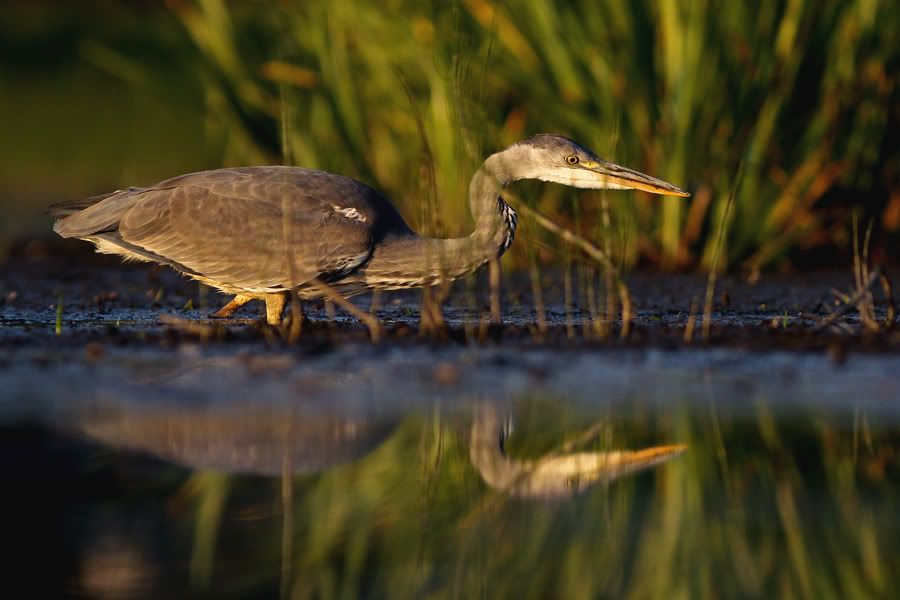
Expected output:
{"points": [[228, 310]]}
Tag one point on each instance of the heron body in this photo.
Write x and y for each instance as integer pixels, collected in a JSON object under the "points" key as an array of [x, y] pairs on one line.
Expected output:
{"points": [[260, 232]]}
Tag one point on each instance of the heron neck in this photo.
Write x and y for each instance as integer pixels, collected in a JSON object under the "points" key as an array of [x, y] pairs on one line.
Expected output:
{"points": [[414, 261], [495, 220]]}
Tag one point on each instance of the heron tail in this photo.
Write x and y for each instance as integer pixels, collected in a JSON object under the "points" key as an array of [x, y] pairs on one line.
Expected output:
{"points": [[90, 216], [70, 207]]}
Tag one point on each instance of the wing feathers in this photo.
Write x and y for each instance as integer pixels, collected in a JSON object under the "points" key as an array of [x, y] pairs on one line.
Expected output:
{"points": [[98, 217], [249, 231]]}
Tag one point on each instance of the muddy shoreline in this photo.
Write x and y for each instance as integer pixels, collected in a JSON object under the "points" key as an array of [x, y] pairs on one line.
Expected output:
{"points": [[105, 302]]}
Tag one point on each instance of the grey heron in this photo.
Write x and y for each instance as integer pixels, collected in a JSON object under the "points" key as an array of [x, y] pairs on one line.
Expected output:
{"points": [[260, 232], [239, 438]]}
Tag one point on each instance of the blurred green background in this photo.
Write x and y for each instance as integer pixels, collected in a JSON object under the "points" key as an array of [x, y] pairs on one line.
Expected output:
{"points": [[798, 97]]}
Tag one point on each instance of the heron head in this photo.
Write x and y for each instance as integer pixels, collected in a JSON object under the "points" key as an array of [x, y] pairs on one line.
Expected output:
{"points": [[555, 158]]}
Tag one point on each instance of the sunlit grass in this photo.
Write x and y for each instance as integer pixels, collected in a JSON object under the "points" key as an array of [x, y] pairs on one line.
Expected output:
{"points": [[798, 92]]}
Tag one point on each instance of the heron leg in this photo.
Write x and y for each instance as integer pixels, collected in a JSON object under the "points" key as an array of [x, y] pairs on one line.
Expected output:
{"points": [[275, 307], [228, 310]]}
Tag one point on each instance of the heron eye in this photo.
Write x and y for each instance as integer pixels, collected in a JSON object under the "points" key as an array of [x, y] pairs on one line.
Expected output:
{"points": [[572, 160]]}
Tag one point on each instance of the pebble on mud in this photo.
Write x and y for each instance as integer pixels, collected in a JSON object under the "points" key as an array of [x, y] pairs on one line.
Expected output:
{"points": [[446, 373], [94, 351], [104, 297], [837, 352]]}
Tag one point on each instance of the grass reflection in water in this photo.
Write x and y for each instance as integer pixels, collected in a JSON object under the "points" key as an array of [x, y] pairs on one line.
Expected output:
{"points": [[460, 503]]}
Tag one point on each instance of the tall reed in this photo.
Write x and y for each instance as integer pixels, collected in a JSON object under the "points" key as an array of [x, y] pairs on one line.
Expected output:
{"points": [[799, 90]]}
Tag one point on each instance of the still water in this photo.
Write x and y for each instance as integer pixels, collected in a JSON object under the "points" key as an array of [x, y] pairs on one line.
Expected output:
{"points": [[453, 472]]}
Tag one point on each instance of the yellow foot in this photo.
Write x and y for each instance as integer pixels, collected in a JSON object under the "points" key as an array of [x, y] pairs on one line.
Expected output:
{"points": [[228, 310]]}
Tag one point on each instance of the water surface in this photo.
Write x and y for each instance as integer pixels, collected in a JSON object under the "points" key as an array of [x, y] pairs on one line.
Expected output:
{"points": [[453, 471]]}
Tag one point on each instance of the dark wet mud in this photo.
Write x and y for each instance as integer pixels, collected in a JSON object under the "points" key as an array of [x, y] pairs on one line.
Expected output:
{"points": [[96, 299]]}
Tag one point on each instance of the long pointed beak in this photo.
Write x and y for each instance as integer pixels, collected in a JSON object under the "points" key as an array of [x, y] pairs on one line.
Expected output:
{"points": [[561, 476], [614, 176]]}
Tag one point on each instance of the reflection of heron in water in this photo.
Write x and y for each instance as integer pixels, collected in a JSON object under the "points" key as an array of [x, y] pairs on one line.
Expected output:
{"points": [[265, 442], [259, 232], [241, 441], [554, 475]]}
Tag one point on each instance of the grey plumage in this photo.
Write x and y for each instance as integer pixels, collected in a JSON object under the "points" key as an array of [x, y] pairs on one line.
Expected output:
{"points": [[255, 229], [261, 231]]}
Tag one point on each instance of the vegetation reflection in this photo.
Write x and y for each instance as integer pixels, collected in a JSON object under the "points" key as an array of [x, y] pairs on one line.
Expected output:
{"points": [[415, 504]]}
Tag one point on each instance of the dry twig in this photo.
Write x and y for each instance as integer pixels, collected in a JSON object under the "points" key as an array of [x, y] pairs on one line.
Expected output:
{"points": [[367, 318], [851, 302]]}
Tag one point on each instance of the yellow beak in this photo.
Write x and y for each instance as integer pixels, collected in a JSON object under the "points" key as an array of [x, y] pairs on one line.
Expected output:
{"points": [[616, 176]]}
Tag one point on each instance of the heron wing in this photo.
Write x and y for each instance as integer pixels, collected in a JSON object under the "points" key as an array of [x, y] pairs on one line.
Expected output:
{"points": [[255, 229]]}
